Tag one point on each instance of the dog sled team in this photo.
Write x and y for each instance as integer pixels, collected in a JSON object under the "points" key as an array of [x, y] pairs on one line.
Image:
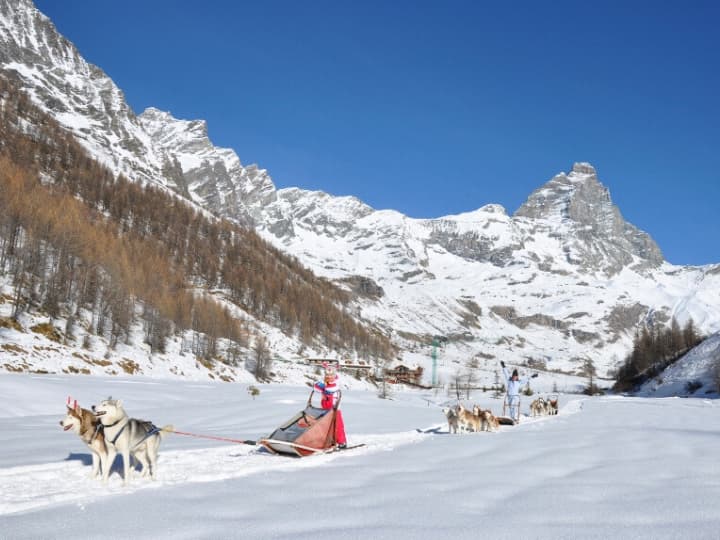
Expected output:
{"points": [[107, 430], [542, 406], [461, 419]]}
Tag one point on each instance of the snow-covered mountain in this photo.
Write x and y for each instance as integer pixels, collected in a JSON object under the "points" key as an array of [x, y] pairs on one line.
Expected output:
{"points": [[562, 279], [78, 94]]}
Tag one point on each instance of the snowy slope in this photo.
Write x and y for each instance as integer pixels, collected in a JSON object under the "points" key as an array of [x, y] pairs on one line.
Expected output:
{"points": [[603, 468], [699, 367]]}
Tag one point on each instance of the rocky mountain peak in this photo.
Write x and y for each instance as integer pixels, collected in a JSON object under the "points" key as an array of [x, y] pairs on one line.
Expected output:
{"points": [[597, 235], [578, 195], [584, 168], [157, 121], [49, 68]]}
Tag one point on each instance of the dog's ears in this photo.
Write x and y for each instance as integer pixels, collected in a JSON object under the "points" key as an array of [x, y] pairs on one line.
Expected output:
{"points": [[118, 402], [74, 406]]}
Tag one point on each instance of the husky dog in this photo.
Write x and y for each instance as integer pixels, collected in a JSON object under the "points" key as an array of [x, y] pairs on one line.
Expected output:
{"points": [[488, 421], [129, 436], [552, 406], [83, 423], [538, 407], [452, 419], [477, 411], [467, 420]]}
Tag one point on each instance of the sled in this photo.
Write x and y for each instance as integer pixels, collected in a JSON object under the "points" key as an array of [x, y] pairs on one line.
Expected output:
{"points": [[311, 431], [506, 419]]}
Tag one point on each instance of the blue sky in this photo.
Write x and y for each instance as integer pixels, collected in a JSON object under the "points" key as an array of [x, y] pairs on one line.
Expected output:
{"points": [[437, 108]]}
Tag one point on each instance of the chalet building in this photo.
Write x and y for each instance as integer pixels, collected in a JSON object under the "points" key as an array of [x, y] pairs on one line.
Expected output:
{"points": [[403, 374]]}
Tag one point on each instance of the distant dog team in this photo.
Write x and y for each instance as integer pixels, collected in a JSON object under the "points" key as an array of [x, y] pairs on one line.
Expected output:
{"points": [[108, 430], [462, 420], [542, 407]]}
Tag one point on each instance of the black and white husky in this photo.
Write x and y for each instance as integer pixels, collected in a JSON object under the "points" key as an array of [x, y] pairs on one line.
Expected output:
{"points": [[129, 436]]}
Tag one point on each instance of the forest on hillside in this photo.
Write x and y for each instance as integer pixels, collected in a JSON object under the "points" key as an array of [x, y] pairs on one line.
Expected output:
{"points": [[78, 241], [654, 349]]}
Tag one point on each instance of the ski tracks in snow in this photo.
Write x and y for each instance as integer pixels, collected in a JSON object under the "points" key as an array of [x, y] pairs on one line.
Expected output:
{"points": [[32, 487]]}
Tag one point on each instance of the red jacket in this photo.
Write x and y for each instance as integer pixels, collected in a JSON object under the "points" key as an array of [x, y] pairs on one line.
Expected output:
{"points": [[329, 391]]}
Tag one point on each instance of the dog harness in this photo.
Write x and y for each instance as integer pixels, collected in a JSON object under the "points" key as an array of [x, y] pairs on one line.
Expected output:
{"points": [[149, 433], [98, 428]]}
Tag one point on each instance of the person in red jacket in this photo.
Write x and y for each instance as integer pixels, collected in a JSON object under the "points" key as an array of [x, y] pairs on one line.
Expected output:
{"points": [[329, 387]]}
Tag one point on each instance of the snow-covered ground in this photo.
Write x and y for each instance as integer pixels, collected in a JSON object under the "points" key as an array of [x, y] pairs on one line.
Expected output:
{"points": [[605, 467]]}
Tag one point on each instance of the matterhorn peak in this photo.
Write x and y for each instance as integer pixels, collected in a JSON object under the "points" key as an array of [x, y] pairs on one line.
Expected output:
{"points": [[556, 198], [580, 204], [584, 168]]}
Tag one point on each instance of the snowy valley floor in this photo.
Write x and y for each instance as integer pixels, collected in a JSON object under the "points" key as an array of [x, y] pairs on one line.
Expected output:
{"points": [[608, 467]]}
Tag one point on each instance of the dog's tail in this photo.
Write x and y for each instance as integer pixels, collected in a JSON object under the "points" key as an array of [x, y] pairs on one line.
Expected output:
{"points": [[166, 429]]}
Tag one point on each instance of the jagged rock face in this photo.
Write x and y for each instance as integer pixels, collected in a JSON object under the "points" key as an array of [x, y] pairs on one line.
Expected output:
{"points": [[79, 95], [597, 236], [87, 102], [214, 177], [490, 236]]}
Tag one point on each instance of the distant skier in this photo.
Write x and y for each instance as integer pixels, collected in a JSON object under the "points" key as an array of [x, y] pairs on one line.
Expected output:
{"points": [[329, 386], [514, 384]]}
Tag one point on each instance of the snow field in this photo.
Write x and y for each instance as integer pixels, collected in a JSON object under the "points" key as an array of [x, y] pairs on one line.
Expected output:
{"points": [[610, 467]]}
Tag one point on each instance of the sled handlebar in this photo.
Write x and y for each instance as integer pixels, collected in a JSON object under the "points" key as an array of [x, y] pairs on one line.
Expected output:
{"points": [[337, 403]]}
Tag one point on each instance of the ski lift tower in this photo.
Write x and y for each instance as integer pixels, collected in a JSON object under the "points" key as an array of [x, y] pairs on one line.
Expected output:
{"points": [[435, 343]]}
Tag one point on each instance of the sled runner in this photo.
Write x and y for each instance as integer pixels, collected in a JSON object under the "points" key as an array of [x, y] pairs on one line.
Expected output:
{"points": [[310, 431], [506, 419]]}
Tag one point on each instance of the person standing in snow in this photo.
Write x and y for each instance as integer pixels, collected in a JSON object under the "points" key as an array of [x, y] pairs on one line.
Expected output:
{"points": [[329, 387], [514, 384]]}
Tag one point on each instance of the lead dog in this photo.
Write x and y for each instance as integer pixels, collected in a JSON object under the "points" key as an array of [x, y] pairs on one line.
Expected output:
{"points": [[452, 419], [129, 436], [84, 424], [539, 407]]}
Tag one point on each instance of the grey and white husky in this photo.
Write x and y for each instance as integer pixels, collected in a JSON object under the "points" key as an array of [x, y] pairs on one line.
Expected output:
{"points": [[452, 419], [129, 436]]}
